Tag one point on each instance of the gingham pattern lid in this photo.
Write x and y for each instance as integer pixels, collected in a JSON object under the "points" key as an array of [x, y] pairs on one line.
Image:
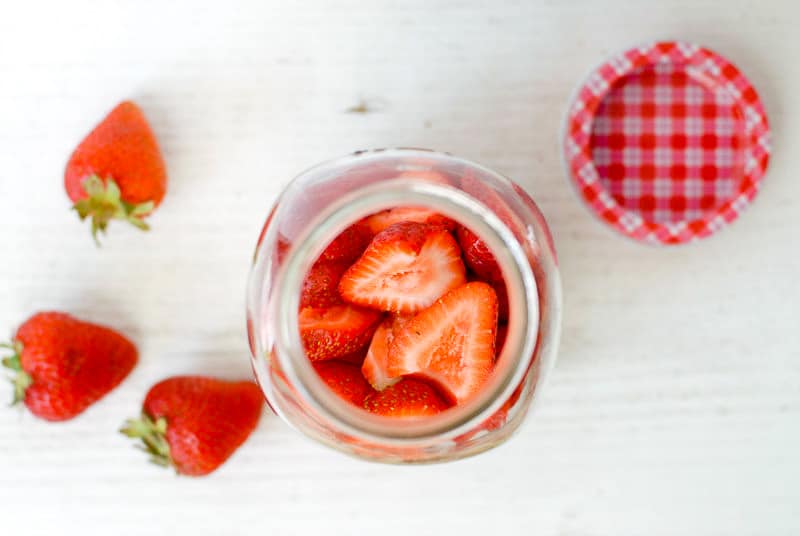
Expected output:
{"points": [[667, 143]]}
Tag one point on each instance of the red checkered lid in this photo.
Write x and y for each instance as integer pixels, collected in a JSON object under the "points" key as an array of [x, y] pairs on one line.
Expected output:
{"points": [[667, 142]]}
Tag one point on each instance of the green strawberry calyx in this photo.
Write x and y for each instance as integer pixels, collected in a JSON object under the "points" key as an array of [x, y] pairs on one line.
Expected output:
{"points": [[153, 434], [104, 204], [21, 379]]}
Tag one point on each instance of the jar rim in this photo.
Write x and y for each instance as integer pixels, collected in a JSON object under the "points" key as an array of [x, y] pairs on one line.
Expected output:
{"points": [[516, 356]]}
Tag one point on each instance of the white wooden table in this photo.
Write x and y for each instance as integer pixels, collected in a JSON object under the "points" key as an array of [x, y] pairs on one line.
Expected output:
{"points": [[674, 408]]}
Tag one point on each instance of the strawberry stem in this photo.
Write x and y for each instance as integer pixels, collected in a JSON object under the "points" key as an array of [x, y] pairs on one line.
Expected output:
{"points": [[104, 204], [153, 435], [21, 379]]}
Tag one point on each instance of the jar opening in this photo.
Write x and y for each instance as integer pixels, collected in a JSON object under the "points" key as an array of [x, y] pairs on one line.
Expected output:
{"points": [[512, 363]]}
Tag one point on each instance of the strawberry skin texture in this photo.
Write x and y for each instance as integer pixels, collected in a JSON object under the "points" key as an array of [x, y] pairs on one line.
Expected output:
{"points": [[72, 363], [405, 269], [348, 245], [207, 419], [320, 287], [451, 343], [332, 332], [407, 398], [124, 148], [345, 380]]}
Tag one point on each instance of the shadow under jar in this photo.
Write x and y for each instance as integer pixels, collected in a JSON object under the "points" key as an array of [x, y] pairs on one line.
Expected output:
{"points": [[325, 200]]}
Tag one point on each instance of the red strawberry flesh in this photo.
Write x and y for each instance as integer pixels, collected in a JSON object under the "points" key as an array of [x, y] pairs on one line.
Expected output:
{"points": [[405, 269], [345, 380], [450, 343]]}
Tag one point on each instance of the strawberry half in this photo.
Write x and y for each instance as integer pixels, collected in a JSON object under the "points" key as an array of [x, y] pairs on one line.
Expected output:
{"points": [[407, 398], [320, 287], [386, 218], [348, 245], [195, 423], [331, 332], [405, 269], [345, 380], [377, 360], [451, 343]]}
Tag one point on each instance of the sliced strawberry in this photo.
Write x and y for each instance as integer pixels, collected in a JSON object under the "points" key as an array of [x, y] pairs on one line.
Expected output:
{"points": [[330, 332], [349, 245], [405, 269], [450, 343], [345, 380], [377, 360], [386, 218], [408, 398], [477, 255], [320, 287]]}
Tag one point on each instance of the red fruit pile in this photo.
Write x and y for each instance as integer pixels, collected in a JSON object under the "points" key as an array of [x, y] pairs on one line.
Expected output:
{"points": [[406, 322]]}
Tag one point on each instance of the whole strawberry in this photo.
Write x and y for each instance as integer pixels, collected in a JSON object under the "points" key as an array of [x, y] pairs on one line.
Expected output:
{"points": [[117, 171], [195, 423], [63, 365]]}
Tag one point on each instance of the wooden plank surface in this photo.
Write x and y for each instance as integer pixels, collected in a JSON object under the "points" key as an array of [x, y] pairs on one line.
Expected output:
{"points": [[674, 407]]}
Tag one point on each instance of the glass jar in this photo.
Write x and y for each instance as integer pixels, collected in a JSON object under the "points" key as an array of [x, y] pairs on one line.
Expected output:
{"points": [[322, 202]]}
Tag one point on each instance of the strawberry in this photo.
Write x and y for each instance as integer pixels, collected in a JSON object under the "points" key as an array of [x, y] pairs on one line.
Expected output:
{"points": [[195, 423], [63, 365], [320, 287], [405, 269], [348, 245], [117, 171], [407, 398], [345, 380], [477, 255], [331, 332], [451, 343], [376, 361], [386, 218]]}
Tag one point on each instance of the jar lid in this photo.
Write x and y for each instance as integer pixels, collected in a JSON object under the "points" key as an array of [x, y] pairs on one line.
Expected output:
{"points": [[667, 143]]}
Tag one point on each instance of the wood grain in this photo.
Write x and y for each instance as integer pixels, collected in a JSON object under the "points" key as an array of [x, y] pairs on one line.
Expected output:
{"points": [[673, 409]]}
